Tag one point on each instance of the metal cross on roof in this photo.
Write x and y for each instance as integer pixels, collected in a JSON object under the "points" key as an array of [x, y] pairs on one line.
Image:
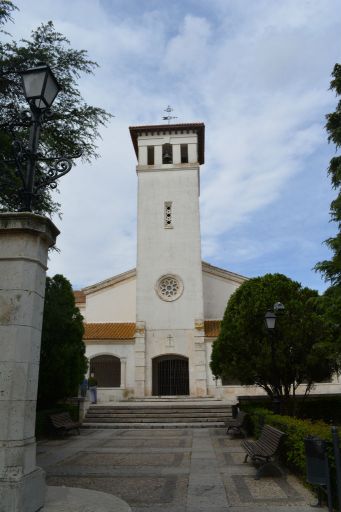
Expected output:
{"points": [[168, 117]]}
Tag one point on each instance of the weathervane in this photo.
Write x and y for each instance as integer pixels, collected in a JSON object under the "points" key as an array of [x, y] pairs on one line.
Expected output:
{"points": [[168, 117]]}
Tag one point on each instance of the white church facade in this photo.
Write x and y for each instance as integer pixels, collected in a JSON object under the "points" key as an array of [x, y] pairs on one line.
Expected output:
{"points": [[149, 331]]}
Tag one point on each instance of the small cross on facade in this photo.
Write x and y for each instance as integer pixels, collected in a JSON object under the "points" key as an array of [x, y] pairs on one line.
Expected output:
{"points": [[170, 341]]}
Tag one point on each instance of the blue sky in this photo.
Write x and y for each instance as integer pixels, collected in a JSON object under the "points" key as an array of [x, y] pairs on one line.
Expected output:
{"points": [[257, 73]]}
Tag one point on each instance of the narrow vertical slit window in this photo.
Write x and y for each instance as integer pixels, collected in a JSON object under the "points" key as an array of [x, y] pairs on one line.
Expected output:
{"points": [[150, 155], [184, 153], [167, 154], [168, 215]]}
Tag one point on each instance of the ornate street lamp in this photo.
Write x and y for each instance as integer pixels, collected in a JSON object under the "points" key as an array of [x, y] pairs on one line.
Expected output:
{"points": [[40, 89], [270, 322], [40, 86]]}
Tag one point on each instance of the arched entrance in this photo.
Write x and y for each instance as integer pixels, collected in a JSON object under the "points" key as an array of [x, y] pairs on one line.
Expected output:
{"points": [[170, 375], [107, 371]]}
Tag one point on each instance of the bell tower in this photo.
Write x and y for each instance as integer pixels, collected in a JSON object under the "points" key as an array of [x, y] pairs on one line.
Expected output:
{"points": [[170, 356]]}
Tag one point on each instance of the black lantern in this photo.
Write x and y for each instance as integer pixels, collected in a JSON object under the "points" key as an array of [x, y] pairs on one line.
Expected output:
{"points": [[270, 319], [40, 86]]}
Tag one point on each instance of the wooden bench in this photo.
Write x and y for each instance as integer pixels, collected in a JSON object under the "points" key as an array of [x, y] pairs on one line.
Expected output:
{"points": [[237, 425], [264, 449], [63, 422]]}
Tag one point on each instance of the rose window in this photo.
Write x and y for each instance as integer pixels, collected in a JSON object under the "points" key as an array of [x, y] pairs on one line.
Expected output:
{"points": [[169, 287]]}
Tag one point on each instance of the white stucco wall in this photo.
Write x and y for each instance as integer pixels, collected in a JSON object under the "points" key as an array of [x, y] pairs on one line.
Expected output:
{"points": [[82, 308], [162, 251], [115, 303], [123, 350], [217, 291]]}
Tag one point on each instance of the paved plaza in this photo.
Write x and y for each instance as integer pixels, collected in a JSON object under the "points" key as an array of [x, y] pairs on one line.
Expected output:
{"points": [[169, 470]]}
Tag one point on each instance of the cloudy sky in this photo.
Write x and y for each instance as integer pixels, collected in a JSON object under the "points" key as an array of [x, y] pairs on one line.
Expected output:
{"points": [[257, 73]]}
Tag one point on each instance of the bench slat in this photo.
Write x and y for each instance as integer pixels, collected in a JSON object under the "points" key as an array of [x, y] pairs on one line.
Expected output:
{"points": [[265, 448], [63, 421]]}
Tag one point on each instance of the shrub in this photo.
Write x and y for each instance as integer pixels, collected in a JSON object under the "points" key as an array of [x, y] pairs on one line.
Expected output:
{"points": [[293, 452]]}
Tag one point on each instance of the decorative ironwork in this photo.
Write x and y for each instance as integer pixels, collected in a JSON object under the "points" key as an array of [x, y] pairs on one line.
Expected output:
{"points": [[168, 117], [170, 375], [61, 167], [25, 157], [48, 178], [107, 371]]}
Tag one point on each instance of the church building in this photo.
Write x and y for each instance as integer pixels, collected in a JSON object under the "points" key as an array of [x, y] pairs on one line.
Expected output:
{"points": [[149, 331]]}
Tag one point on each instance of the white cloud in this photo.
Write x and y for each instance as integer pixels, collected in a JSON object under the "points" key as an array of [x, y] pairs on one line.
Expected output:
{"points": [[257, 73]]}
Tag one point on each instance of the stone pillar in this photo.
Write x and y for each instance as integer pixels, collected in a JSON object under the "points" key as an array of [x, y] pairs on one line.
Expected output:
{"points": [[140, 359], [24, 242], [200, 359], [123, 372]]}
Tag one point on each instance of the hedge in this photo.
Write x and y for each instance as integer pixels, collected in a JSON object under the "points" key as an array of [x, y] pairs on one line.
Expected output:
{"points": [[313, 407], [293, 452]]}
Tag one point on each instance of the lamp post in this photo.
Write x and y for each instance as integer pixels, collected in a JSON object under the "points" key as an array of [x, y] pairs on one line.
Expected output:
{"points": [[25, 241], [40, 89], [270, 322]]}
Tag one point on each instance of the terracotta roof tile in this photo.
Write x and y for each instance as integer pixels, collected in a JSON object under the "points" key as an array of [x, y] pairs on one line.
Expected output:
{"points": [[79, 296], [109, 331], [126, 331], [212, 328]]}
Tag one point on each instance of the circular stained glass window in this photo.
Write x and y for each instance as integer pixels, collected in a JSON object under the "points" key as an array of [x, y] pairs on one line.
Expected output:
{"points": [[169, 287]]}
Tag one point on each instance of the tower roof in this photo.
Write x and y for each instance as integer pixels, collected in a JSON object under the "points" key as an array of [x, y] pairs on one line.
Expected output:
{"points": [[163, 129]]}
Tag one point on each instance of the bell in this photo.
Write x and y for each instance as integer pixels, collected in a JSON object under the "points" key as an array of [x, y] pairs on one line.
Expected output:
{"points": [[167, 158]]}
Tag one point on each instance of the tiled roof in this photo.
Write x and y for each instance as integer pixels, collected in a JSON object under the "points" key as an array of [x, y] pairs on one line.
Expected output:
{"points": [[79, 296], [212, 328], [109, 331], [126, 331], [199, 128]]}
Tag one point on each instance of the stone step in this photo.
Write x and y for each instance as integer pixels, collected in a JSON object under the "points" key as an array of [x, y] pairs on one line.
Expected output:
{"points": [[141, 416], [152, 419], [114, 413], [178, 398], [160, 408], [216, 424], [127, 419]]}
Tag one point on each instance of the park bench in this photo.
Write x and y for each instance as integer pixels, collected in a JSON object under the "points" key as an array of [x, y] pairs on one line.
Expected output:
{"points": [[237, 425], [265, 449], [63, 422]]}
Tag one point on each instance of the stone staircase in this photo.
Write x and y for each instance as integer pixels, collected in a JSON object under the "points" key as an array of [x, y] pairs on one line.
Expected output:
{"points": [[169, 412]]}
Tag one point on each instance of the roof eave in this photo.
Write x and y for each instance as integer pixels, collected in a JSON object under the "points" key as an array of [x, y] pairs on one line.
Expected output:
{"points": [[199, 128]]}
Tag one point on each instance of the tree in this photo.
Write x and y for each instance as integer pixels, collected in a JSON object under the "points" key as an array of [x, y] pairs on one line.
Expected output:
{"points": [[62, 360], [74, 125], [6, 8], [331, 269], [306, 350]]}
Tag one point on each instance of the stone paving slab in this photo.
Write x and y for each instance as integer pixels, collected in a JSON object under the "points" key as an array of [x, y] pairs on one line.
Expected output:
{"points": [[135, 490], [168, 443], [150, 434], [66, 499], [185, 470], [98, 459]]}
